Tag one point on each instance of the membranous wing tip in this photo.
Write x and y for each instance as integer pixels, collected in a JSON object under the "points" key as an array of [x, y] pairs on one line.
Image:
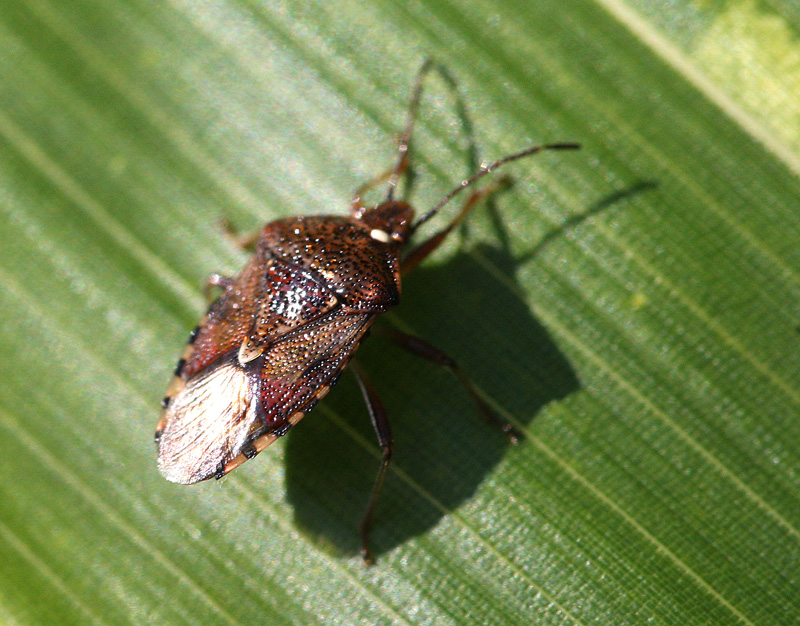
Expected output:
{"points": [[207, 422]]}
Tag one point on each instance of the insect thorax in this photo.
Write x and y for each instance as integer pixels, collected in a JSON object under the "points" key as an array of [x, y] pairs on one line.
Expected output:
{"points": [[361, 270]]}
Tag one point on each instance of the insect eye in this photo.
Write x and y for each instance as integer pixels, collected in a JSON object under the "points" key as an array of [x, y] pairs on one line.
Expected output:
{"points": [[390, 221]]}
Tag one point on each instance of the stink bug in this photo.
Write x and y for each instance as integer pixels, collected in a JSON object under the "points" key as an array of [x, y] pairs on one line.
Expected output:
{"points": [[283, 330]]}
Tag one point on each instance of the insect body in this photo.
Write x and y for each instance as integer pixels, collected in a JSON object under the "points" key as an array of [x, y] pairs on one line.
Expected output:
{"points": [[281, 333], [286, 327]]}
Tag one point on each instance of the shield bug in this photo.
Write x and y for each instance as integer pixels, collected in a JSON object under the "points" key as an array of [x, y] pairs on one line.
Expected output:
{"points": [[284, 329]]}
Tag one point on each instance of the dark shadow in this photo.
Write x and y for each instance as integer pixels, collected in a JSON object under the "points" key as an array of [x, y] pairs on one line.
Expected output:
{"points": [[576, 220], [443, 450], [441, 444]]}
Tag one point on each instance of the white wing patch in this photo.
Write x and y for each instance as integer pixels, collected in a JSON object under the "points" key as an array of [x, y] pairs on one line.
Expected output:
{"points": [[207, 423]]}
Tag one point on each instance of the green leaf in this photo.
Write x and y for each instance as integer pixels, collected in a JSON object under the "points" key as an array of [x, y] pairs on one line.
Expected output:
{"points": [[632, 307]]}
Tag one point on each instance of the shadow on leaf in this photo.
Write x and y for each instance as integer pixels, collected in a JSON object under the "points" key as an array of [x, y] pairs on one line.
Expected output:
{"points": [[443, 451]]}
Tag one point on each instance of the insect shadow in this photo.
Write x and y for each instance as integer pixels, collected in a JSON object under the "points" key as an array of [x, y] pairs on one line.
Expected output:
{"points": [[443, 450]]}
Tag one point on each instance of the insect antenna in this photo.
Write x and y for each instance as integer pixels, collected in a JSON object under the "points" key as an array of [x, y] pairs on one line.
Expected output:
{"points": [[486, 169], [405, 138]]}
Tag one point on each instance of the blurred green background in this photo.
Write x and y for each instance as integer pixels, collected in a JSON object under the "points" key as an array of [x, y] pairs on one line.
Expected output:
{"points": [[632, 307]]}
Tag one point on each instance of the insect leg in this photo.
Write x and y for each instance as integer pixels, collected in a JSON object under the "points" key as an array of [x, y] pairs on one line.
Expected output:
{"points": [[380, 422], [420, 252], [216, 281], [245, 241], [423, 349], [356, 207]]}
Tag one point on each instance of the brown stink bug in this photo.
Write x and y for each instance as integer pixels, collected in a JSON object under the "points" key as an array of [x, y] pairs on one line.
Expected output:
{"points": [[285, 328]]}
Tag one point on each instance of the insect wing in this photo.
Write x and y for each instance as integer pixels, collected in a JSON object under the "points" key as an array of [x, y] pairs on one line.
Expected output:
{"points": [[268, 299], [298, 371], [266, 352], [306, 361], [208, 422]]}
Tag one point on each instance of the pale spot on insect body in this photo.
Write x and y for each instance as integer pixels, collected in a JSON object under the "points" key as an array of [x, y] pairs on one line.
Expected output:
{"points": [[176, 385], [248, 351], [291, 305], [380, 235], [211, 415]]}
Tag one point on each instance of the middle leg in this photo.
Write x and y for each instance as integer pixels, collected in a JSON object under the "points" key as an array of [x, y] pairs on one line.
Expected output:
{"points": [[380, 423], [423, 349]]}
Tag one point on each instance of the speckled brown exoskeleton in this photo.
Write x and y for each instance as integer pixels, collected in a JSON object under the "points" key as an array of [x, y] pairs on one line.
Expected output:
{"points": [[285, 328]]}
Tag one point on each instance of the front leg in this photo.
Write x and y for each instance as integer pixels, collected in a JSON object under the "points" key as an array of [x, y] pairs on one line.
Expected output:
{"points": [[427, 247], [244, 241], [216, 281]]}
